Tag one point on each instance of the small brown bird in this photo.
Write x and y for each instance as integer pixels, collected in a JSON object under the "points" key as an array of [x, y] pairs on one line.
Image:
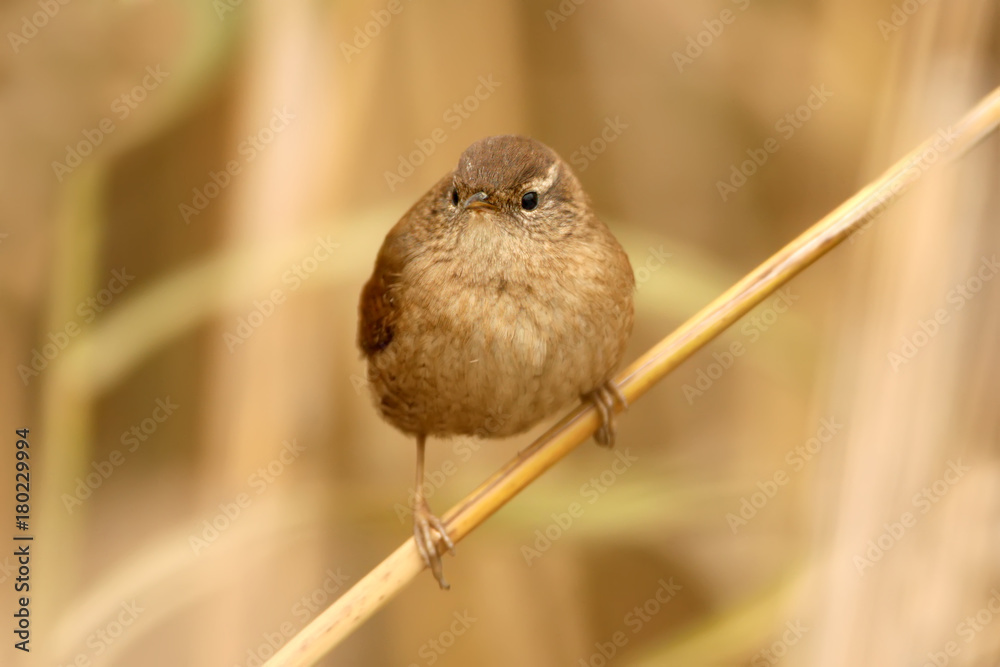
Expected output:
{"points": [[498, 298]]}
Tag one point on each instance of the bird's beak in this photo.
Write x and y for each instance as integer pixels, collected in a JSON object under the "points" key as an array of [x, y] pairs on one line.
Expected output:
{"points": [[477, 200]]}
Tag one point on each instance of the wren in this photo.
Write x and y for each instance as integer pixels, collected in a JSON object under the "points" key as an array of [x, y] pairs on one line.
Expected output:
{"points": [[497, 299]]}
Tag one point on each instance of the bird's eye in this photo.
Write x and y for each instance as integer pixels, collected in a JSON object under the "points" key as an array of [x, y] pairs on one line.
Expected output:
{"points": [[454, 197], [529, 200]]}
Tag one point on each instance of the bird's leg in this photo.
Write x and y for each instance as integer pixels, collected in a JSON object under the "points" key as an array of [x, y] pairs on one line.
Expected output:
{"points": [[425, 524], [604, 399]]}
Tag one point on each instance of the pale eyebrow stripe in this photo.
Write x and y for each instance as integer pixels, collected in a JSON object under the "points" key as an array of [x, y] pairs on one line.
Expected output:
{"points": [[545, 182]]}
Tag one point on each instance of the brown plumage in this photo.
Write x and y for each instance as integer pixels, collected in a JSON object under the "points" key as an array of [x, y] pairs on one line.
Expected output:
{"points": [[497, 299]]}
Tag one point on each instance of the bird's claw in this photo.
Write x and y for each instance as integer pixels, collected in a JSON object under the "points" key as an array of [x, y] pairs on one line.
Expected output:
{"points": [[425, 526], [604, 399]]}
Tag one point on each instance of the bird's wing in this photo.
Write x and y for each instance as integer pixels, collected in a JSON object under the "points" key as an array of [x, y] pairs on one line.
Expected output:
{"points": [[379, 307], [379, 310]]}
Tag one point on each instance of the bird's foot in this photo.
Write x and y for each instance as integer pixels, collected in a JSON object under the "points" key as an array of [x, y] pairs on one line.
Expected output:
{"points": [[431, 538], [604, 399]]}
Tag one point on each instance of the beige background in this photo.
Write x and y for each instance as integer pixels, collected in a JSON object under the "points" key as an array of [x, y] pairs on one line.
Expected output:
{"points": [[290, 238]]}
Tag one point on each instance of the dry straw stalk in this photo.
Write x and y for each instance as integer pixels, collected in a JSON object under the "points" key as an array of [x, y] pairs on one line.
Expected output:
{"points": [[388, 578]]}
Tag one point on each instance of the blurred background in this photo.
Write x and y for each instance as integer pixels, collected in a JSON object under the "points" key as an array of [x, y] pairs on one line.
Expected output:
{"points": [[193, 194]]}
